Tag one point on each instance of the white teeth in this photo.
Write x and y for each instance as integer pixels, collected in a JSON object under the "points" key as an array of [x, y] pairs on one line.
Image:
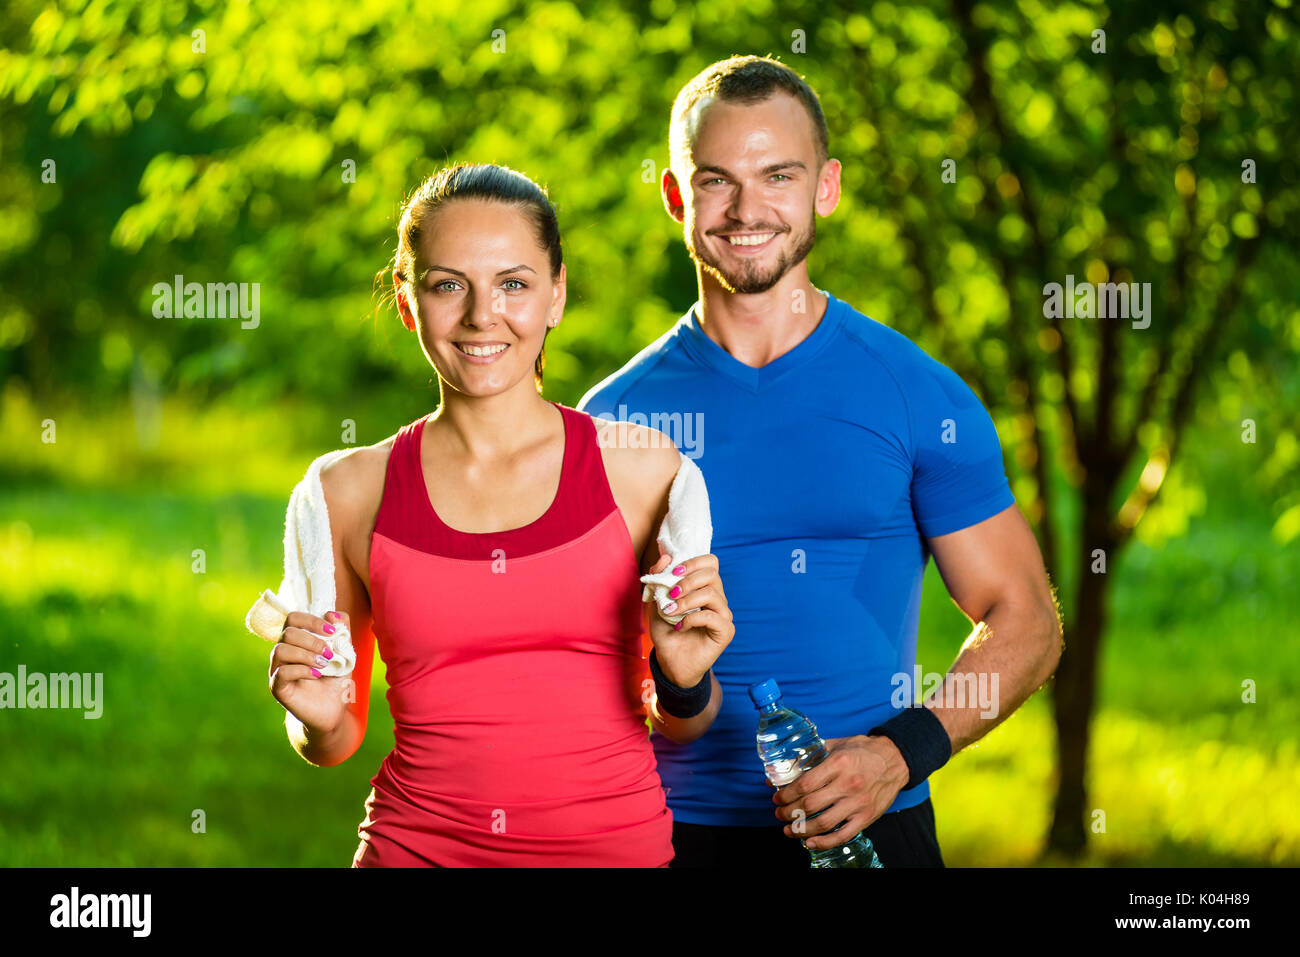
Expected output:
{"points": [[481, 350], [750, 240]]}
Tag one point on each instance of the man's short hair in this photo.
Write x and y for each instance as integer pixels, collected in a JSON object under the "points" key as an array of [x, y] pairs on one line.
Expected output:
{"points": [[744, 79]]}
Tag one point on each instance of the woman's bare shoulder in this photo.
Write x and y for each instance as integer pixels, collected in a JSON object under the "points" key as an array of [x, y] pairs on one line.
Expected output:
{"points": [[354, 482], [637, 454]]}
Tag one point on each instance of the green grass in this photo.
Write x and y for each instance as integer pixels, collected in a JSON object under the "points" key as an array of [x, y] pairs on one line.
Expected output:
{"points": [[188, 723], [96, 545]]}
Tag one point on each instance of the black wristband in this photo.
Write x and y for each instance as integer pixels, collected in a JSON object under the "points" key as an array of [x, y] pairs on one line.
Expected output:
{"points": [[920, 736], [680, 702]]}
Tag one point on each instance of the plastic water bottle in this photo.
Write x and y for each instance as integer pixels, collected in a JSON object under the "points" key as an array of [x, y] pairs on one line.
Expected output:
{"points": [[788, 744]]}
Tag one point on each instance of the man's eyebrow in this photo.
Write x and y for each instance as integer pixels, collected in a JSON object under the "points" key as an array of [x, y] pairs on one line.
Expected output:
{"points": [[765, 171], [457, 272]]}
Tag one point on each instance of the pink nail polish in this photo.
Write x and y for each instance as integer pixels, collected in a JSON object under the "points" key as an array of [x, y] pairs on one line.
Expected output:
{"points": [[315, 673], [329, 629], [676, 590], [678, 626], [679, 570], [327, 653]]}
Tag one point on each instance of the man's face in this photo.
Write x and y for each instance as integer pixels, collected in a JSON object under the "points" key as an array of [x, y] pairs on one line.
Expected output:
{"points": [[752, 187]]}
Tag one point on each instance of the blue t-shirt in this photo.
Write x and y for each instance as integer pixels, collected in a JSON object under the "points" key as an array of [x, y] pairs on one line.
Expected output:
{"points": [[825, 469]]}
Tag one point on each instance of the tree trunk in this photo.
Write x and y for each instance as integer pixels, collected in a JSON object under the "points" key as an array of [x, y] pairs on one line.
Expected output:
{"points": [[1074, 690]]}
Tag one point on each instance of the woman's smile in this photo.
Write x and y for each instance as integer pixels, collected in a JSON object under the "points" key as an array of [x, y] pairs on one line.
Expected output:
{"points": [[481, 353]]}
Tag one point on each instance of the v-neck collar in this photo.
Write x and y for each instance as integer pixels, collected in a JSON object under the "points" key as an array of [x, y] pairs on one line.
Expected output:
{"points": [[718, 358]]}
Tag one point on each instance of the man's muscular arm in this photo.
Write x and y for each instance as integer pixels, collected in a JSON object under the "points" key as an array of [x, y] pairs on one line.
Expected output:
{"points": [[994, 573]]}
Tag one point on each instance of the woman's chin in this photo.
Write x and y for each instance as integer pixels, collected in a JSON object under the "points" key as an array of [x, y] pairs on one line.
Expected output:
{"points": [[481, 386]]}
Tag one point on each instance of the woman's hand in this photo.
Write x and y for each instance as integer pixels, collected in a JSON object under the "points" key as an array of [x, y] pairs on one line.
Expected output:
{"points": [[687, 651], [320, 703]]}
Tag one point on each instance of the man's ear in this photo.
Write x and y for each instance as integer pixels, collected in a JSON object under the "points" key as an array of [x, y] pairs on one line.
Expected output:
{"points": [[672, 196], [828, 188]]}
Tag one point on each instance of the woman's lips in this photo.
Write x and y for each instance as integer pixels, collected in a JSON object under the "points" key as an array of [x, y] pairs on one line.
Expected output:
{"points": [[482, 360]]}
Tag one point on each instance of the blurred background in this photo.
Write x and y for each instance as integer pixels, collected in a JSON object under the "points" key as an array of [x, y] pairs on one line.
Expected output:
{"points": [[988, 150]]}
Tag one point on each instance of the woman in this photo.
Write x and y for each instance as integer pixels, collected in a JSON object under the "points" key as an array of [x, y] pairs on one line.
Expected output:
{"points": [[497, 545]]}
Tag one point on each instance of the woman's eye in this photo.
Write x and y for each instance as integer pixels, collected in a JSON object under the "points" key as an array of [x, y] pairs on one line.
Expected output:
{"points": [[441, 286], [519, 284]]}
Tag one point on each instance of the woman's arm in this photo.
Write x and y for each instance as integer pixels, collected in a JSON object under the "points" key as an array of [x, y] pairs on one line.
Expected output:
{"points": [[353, 486], [642, 464], [685, 653], [686, 730]]}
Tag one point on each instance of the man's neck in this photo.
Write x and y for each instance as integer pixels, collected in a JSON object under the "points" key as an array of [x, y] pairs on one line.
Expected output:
{"points": [[760, 328]]}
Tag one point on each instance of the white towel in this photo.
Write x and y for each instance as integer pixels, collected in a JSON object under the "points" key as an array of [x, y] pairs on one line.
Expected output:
{"points": [[308, 583], [686, 532]]}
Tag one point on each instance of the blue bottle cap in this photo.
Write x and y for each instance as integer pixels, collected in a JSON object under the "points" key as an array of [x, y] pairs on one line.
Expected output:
{"points": [[765, 692]]}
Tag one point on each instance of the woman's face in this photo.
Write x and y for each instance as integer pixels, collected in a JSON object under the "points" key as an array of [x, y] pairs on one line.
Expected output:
{"points": [[483, 295]]}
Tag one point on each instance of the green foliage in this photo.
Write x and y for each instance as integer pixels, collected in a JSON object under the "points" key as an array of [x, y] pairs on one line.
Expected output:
{"points": [[215, 141]]}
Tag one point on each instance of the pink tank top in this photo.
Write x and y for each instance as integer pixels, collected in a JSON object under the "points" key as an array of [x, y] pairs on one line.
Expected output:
{"points": [[515, 668]]}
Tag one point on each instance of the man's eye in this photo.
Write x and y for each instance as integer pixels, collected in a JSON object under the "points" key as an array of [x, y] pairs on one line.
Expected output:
{"points": [[781, 175]]}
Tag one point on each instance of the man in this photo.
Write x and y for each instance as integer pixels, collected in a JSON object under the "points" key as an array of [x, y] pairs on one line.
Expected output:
{"points": [[838, 457]]}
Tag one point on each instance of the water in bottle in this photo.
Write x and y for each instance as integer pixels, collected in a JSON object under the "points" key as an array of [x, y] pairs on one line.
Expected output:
{"points": [[788, 744]]}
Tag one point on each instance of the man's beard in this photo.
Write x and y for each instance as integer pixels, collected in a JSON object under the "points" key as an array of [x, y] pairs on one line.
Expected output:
{"points": [[749, 278]]}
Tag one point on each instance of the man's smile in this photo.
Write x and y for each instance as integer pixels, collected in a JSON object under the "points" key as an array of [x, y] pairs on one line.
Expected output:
{"points": [[749, 242]]}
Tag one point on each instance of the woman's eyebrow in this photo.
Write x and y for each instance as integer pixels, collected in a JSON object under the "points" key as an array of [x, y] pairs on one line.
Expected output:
{"points": [[457, 272]]}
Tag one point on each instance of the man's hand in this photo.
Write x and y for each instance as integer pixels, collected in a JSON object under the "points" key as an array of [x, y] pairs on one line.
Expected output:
{"points": [[856, 781]]}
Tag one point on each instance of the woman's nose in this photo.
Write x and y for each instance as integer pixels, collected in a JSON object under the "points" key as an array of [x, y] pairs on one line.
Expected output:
{"points": [[484, 310]]}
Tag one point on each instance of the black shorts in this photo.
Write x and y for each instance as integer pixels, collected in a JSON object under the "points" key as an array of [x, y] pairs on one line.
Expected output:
{"points": [[903, 838]]}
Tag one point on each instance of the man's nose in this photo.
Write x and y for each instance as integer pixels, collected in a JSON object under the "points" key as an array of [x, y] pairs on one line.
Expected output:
{"points": [[746, 207]]}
